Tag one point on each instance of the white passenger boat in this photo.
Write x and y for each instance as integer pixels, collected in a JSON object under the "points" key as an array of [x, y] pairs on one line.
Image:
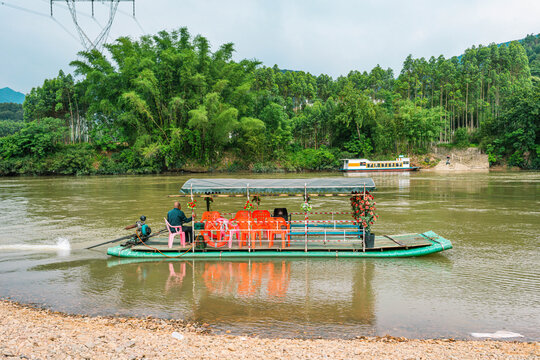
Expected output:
{"points": [[363, 165]]}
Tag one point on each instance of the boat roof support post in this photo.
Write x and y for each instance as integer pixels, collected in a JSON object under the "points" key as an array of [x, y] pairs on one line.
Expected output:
{"points": [[305, 219], [193, 220], [363, 228]]}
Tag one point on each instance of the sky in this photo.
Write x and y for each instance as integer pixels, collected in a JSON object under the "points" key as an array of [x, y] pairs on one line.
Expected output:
{"points": [[331, 37]]}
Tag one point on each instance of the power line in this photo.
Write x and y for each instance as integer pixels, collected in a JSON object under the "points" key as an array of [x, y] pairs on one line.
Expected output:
{"points": [[130, 16], [84, 39], [40, 14]]}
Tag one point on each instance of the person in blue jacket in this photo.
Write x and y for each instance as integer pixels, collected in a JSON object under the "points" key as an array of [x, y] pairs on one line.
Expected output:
{"points": [[176, 217]]}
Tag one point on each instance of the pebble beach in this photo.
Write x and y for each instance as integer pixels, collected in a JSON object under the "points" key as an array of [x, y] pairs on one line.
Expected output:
{"points": [[33, 333]]}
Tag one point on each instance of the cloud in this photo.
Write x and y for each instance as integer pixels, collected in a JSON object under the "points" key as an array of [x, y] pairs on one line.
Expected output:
{"points": [[318, 36]]}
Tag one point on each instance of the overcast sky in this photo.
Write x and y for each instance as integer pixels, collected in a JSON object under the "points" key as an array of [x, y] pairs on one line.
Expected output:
{"points": [[332, 36]]}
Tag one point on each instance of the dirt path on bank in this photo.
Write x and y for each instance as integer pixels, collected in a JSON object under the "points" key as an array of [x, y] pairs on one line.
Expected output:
{"points": [[470, 159], [29, 333]]}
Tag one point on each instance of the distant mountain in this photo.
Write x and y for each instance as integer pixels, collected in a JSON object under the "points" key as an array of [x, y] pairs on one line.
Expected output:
{"points": [[8, 95]]}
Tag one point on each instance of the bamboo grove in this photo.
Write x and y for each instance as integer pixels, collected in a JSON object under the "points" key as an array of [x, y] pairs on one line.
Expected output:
{"points": [[168, 102]]}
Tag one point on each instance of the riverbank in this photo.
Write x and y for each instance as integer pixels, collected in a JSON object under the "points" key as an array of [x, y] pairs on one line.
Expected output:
{"points": [[30, 333], [447, 160]]}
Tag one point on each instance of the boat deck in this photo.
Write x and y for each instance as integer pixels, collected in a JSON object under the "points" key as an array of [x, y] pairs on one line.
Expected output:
{"points": [[385, 247], [298, 243]]}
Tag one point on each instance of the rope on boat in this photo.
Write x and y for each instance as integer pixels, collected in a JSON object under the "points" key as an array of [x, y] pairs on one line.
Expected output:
{"points": [[432, 239], [324, 213], [301, 221], [311, 213], [394, 240], [323, 221]]}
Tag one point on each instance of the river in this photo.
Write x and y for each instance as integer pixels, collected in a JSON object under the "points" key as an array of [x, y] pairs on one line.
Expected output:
{"points": [[489, 281]]}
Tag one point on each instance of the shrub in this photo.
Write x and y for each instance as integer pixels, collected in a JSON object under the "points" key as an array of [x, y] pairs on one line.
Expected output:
{"points": [[10, 127], [312, 159], [461, 138], [72, 160], [35, 138]]}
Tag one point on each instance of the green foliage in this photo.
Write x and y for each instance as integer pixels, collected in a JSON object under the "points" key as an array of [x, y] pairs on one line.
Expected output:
{"points": [[263, 167], [359, 147], [166, 100], [531, 44], [9, 127], [252, 139], [72, 160], [11, 111], [461, 138], [311, 159], [34, 139], [517, 130]]}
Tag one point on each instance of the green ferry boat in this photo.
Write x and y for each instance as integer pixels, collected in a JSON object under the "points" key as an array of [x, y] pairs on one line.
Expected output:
{"points": [[257, 233]]}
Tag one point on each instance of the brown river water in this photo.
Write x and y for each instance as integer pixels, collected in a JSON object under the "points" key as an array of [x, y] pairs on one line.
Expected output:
{"points": [[489, 281]]}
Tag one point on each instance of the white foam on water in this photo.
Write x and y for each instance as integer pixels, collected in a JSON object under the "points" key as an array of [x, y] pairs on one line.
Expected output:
{"points": [[501, 334], [62, 246]]}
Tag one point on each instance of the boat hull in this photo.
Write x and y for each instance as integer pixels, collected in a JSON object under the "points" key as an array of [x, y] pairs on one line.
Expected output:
{"points": [[438, 243], [379, 170]]}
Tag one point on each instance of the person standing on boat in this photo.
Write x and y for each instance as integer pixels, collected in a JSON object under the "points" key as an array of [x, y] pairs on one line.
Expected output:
{"points": [[176, 217]]}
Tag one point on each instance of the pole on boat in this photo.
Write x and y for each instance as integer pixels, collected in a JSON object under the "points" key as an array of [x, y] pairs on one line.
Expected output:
{"points": [[363, 228], [108, 242], [249, 221], [305, 218], [122, 238], [193, 219]]}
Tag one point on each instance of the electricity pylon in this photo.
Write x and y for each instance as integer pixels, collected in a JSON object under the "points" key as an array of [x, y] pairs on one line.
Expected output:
{"points": [[98, 42]]}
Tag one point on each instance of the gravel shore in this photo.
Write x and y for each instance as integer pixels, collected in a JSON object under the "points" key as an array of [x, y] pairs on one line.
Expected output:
{"points": [[31, 333]]}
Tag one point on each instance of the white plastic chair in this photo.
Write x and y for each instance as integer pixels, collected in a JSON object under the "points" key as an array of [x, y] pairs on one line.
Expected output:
{"points": [[179, 232]]}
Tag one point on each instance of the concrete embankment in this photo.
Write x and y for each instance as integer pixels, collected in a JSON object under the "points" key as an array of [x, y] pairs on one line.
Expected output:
{"points": [[29, 333]]}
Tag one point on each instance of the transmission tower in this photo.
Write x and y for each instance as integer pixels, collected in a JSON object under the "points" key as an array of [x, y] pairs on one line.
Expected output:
{"points": [[86, 41]]}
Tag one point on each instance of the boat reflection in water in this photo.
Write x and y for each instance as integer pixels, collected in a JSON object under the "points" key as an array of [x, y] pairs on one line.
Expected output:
{"points": [[275, 298], [321, 297], [246, 279]]}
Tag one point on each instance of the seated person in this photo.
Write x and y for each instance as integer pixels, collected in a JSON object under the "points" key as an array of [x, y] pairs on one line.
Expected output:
{"points": [[176, 217]]}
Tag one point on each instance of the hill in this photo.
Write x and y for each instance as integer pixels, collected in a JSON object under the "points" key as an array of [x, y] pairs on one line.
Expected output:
{"points": [[8, 95]]}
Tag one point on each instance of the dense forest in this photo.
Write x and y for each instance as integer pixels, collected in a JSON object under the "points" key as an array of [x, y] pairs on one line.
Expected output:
{"points": [[168, 102], [11, 118]]}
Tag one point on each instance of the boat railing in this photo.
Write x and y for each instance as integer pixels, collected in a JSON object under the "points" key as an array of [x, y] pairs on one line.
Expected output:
{"points": [[323, 213], [301, 233], [303, 213]]}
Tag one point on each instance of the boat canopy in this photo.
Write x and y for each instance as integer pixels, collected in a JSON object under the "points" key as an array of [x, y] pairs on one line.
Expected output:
{"points": [[277, 186]]}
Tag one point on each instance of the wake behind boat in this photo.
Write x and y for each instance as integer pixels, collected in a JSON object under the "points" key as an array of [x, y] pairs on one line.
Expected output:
{"points": [[256, 232]]}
